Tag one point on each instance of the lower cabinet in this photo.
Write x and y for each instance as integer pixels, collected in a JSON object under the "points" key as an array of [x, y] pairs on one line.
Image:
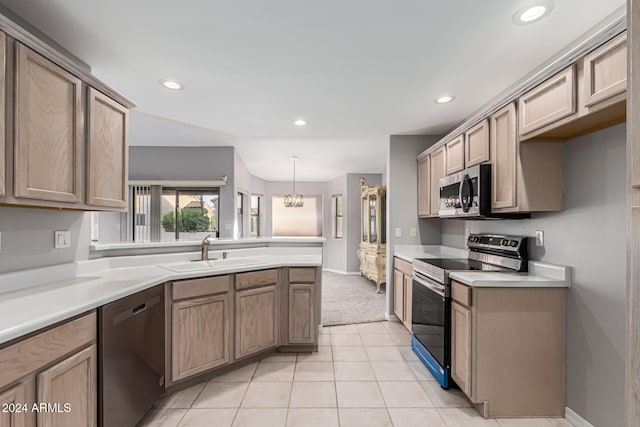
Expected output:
{"points": [[200, 338], [200, 325], [300, 307], [508, 349], [403, 291], [256, 320], [50, 379], [72, 385]]}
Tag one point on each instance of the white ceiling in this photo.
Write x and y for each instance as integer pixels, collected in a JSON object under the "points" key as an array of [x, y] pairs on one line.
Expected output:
{"points": [[357, 70]]}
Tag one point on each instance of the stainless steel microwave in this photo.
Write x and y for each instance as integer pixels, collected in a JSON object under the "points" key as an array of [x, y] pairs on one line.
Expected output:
{"points": [[466, 193]]}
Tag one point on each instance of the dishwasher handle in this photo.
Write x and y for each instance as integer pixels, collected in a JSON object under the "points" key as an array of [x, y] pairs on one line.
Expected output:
{"points": [[129, 313]]}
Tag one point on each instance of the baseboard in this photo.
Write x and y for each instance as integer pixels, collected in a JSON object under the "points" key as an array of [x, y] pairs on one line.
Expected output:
{"points": [[575, 420], [391, 317], [344, 273]]}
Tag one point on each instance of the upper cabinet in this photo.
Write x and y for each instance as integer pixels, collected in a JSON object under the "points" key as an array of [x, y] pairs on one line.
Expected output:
{"points": [[477, 144], [66, 132], [107, 151], [455, 155], [587, 96], [424, 187], [438, 170], [48, 130]]}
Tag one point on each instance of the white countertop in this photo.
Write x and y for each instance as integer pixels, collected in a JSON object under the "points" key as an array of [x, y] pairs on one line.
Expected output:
{"points": [[60, 292], [539, 274]]}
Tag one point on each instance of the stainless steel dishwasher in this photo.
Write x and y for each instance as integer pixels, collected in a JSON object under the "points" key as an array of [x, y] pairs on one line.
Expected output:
{"points": [[131, 357]]}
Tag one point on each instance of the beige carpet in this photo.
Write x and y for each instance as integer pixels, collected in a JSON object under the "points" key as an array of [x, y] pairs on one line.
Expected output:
{"points": [[350, 299]]}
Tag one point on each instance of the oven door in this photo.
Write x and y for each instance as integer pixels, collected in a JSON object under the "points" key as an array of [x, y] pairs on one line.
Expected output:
{"points": [[431, 317]]}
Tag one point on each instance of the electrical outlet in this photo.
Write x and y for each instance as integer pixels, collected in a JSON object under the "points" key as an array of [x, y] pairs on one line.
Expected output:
{"points": [[467, 232], [413, 232], [539, 238], [398, 232], [0, 242], [61, 239]]}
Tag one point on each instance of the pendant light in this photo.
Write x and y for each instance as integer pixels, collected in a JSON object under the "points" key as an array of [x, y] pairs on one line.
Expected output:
{"points": [[294, 200]]}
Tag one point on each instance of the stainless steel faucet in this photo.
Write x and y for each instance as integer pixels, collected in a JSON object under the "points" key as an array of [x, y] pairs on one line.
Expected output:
{"points": [[204, 250]]}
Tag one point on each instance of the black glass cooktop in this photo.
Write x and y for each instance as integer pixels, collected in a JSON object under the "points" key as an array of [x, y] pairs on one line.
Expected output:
{"points": [[460, 264]]}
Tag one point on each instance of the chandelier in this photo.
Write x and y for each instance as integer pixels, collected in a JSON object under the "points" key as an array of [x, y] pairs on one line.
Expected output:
{"points": [[294, 200]]}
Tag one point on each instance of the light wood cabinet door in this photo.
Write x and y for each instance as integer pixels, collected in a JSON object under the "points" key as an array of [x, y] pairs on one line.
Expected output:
{"points": [[548, 102], [107, 146], [477, 144], [200, 335], [302, 318], [256, 320], [455, 155], [605, 71], [504, 151], [408, 300], [3, 65], [461, 347], [71, 381], [398, 294], [48, 130], [8, 416], [424, 187], [438, 166]]}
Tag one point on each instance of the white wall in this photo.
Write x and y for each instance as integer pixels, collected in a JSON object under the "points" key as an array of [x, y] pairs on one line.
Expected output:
{"points": [[402, 200], [589, 236], [190, 163], [26, 237]]}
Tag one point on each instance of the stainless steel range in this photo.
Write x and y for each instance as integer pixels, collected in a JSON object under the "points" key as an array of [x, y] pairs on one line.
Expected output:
{"points": [[431, 301]]}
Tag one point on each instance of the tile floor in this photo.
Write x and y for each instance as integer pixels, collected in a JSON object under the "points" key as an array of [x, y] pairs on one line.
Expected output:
{"points": [[363, 375]]}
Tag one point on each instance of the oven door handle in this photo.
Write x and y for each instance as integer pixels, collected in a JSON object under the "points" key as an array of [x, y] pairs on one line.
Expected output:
{"points": [[435, 287]]}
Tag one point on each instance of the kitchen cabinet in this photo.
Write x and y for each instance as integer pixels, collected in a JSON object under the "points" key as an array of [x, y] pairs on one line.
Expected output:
{"points": [[455, 155], [300, 311], [48, 130], [107, 145], [256, 313], [402, 290], [549, 102], [3, 97], [424, 186], [526, 176], [56, 366], [476, 145], [200, 325], [71, 380], [491, 357], [605, 72], [11, 398], [438, 170]]}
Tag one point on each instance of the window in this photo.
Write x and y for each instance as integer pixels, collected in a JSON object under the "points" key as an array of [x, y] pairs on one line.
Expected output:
{"points": [[240, 207], [305, 221], [167, 214], [338, 220], [255, 215]]}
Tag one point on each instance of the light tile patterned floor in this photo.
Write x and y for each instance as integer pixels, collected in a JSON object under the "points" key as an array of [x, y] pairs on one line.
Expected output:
{"points": [[363, 375]]}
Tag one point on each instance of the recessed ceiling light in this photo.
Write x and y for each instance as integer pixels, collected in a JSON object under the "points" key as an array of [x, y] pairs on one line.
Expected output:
{"points": [[300, 122], [445, 99], [532, 12], [171, 84]]}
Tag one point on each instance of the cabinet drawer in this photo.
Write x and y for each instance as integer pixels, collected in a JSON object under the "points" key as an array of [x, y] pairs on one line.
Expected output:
{"points": [[302, 275], [402, 265], [31, 354], [605, 71], [199, 287], [461, 293], [455, 155], [549, 102], [256, 278]]}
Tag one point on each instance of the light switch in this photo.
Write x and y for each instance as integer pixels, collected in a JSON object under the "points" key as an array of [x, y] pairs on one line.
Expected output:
{"points": [[0, 242], [398, 232], [62, 239], [413, 232], [539, 238]]}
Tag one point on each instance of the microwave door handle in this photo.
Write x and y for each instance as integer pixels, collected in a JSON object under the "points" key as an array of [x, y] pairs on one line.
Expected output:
{"points": [[466, 183], [435, 287]]}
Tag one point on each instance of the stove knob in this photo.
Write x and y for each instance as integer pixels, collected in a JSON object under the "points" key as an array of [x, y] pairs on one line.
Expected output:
{"points": [[504, 242], [513, 243]]}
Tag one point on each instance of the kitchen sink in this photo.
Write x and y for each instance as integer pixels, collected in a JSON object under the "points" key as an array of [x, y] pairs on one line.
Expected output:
{"points": [[211, 264]]}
